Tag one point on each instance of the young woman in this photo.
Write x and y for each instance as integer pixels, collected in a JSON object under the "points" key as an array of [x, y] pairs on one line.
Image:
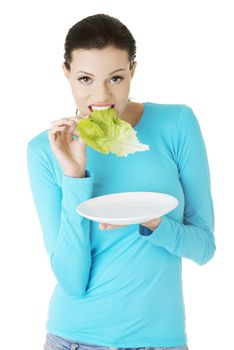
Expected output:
{"points": [[120, 288]]}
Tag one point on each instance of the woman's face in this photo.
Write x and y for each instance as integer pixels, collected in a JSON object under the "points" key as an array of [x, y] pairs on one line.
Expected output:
{"points": [[100, 77]]}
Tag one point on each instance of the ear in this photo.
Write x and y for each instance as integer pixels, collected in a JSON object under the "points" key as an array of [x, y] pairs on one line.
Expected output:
{"points": [[133, 69], [66, 72]]}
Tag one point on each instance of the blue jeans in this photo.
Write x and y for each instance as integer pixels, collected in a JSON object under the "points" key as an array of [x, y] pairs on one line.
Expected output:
{"points": [[53, 342]]}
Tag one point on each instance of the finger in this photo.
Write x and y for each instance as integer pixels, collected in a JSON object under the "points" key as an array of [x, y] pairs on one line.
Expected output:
{"points": [[75, 119], [74, 129], [71, 127], [60, 122], [56, 129], [68, 121], [104, 226], [79, 117], [53, 132], [72, 124], [63, 126]]}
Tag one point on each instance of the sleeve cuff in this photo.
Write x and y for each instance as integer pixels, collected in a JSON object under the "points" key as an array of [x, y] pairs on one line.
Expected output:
{"points": [[76, 190], [158, 236], [70, 178], [144, 231], [164, 235]]}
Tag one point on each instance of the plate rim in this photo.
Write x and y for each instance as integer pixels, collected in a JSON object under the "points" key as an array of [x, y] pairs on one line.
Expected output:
{"points": [[140, 218]]}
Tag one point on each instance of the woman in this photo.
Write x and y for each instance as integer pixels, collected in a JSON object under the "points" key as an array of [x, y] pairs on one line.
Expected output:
{"points": [[119, 288]]}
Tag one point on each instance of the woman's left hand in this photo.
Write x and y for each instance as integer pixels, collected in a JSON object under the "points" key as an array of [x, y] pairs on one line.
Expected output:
{"points": [[152, 224]]}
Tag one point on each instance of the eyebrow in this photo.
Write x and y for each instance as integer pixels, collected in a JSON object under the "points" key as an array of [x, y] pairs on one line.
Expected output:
{"points": [[117, 70]]}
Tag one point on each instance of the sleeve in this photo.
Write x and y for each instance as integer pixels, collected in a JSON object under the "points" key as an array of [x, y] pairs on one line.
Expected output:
{"points": [[194, 237], [65, 232]]}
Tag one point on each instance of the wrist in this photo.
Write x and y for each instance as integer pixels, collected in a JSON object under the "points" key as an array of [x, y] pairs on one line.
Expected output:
{"points": [[75, 174], [152, 224]]}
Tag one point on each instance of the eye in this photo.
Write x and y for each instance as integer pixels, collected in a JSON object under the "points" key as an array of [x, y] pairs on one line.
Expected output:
{"points": [[118, 77], [81, 79], [87, 80]]}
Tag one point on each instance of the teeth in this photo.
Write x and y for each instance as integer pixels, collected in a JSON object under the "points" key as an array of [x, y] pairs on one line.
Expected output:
{"points": [[100, 108]]}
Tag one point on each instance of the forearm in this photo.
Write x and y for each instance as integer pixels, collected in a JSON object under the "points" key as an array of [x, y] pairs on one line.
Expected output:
{"points": [[189, 241], [71, 255]]}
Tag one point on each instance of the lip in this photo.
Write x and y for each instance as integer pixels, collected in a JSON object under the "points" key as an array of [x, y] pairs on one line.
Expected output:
{"points": [[100, 105]]}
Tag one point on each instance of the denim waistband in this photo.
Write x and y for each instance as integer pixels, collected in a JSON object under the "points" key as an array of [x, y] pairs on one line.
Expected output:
{"points": [[54, 342]]}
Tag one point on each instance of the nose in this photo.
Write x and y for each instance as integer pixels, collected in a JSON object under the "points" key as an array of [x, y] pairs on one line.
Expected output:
{"points": [[102, 93]]}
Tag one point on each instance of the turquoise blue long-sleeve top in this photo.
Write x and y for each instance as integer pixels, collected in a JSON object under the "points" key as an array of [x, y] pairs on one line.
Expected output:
{"points": [[120, 288]]}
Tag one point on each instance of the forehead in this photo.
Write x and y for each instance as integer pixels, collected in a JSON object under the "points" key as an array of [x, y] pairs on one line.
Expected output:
{"points": [[108, 56]]}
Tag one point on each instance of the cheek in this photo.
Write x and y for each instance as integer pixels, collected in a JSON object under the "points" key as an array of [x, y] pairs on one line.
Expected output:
{"points": [[79, 92], [125, 88], [122, 90]]}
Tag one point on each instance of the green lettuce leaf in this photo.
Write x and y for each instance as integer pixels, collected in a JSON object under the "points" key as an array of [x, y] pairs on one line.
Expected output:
{"points": [[104, 131]]}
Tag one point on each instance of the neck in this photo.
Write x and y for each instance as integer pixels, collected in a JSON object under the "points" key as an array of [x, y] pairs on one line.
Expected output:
{"points": [[132, 112]]}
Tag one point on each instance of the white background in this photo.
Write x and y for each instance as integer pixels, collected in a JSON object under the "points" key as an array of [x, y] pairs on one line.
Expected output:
{"points": [[184, 54]]}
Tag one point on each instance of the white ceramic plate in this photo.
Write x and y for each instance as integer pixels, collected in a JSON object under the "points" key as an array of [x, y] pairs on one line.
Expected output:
{"points": [[127, 207]]}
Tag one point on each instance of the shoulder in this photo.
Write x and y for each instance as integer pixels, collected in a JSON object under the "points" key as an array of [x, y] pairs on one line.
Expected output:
{"points": [[39, 142], [173, 115], [38, 147], [41, 159], [168, 110]]}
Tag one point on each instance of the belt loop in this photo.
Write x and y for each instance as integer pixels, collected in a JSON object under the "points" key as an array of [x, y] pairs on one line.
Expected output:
{"points": [[74, 346]]}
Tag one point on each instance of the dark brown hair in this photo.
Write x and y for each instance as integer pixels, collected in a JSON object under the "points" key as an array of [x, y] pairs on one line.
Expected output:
{"points": [[98, 32]]}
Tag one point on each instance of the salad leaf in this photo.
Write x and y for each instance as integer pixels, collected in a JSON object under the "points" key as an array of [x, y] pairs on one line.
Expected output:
{"points": [[104, 131]]}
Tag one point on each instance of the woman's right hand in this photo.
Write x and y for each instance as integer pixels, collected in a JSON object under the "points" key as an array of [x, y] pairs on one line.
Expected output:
{"points": [[70, 152]]}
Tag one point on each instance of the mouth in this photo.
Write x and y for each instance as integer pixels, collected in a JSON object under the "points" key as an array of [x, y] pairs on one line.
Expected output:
{"points": [[100, 107]]}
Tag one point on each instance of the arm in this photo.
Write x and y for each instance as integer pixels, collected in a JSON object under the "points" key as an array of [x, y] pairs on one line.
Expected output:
{"points": [[65, 232], [194, 237]]}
